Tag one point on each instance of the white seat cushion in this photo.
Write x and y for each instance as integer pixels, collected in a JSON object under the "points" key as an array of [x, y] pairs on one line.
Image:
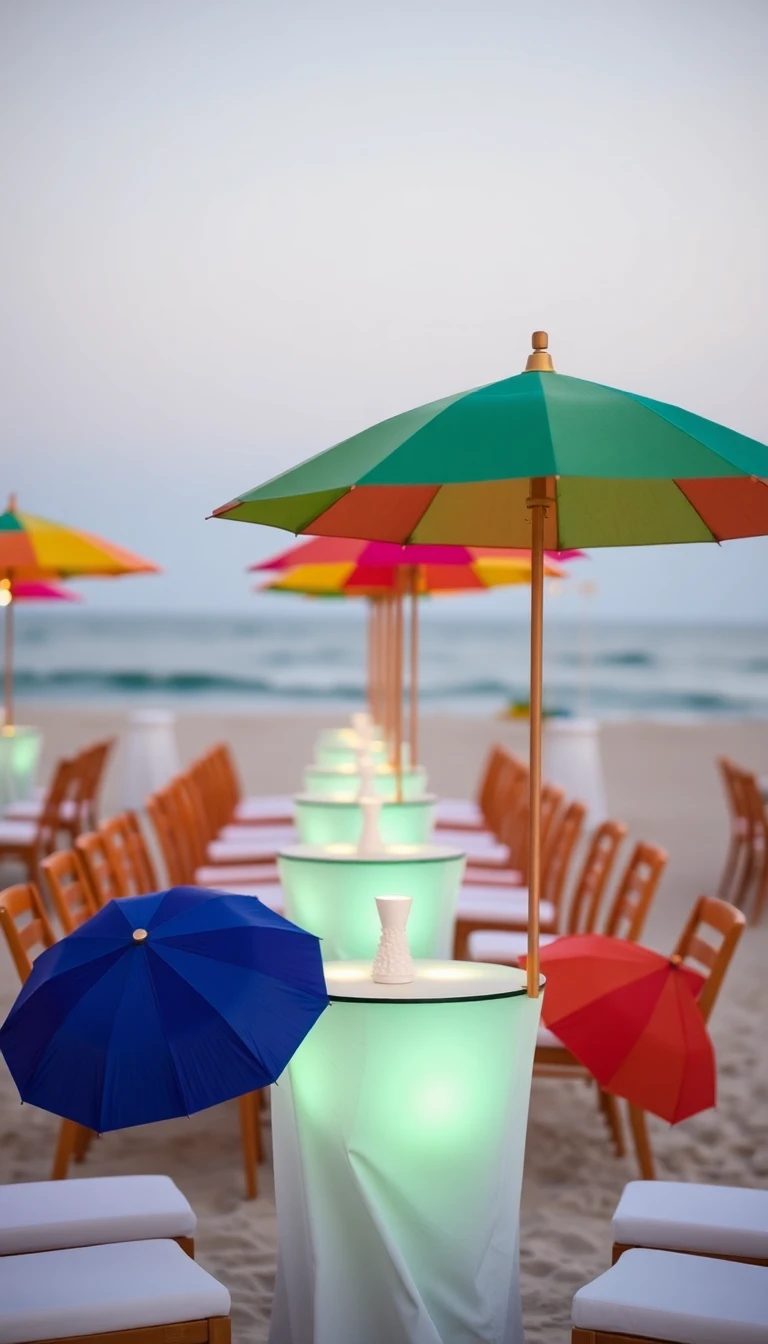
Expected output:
{"points": [[32, 808], [495, 877], [498, 905], [490, 856], [503, 947], [51, 1215], [683, 1216], [215, 874], [268, 834], [270, 894], [234, 851], [687, 1299], [458, 811], [547, 1038], [54, 1294], [17, 832], [257, 809], [472, 842]]}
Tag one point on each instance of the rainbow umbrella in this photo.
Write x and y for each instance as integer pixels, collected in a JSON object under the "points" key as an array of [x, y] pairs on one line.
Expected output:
{"points": [[34, 550], [35, 591], [537, 460]]}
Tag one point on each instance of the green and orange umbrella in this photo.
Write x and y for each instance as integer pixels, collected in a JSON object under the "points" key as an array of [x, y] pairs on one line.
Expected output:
{"points": [[34, 550], [536, 460]]}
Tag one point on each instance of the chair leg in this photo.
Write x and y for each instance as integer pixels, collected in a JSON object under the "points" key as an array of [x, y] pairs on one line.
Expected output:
{"points": [[65, 1149], [249, 1139], [83, 1140], [609, 1107], [642, 1143]]}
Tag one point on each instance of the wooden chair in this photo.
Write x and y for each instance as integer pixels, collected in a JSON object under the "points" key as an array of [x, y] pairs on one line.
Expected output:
{"points": [[131, 861], [483, 806], [28, 931], [485, 911], [29, 841], [96, 862], [70, 889], [172, 842], [737, 854], [753, 890], [92, 764], [710, 956]]}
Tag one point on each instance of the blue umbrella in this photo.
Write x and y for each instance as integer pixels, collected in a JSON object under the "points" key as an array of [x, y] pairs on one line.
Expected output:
{"points": [[162, 1005]]}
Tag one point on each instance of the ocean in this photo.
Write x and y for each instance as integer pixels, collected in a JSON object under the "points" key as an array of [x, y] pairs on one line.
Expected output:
{"points": [[315, 661]]}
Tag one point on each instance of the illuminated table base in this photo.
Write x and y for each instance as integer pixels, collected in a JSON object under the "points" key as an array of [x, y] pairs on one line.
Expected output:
{"points": [[326, 821], [399, 1133], [343, 780], [330, 890], [20, 749]]}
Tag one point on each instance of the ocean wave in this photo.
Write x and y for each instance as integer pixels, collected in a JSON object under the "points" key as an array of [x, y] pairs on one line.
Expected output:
{"points": [[134, 681]]}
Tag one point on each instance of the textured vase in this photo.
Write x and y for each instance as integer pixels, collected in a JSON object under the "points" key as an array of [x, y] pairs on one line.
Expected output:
{"points": [[393, 964]]}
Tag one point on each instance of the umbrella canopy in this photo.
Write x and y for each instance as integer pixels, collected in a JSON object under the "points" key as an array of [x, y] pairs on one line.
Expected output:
{"points": [[162, 1005], [630, 1016], [35, 590], [536, 460], [34, 548]]}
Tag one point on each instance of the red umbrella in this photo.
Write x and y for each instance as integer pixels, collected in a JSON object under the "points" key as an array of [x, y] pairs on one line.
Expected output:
{"points": [[630, 1016]]}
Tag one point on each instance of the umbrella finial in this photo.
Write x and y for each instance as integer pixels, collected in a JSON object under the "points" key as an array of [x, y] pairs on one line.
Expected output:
{"points": [[11, 503], [541, 360]]}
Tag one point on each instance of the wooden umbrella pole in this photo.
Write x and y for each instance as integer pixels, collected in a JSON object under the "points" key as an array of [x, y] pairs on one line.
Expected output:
{"points": [[398, 681], [8, 668], [537, 503], [414, 686], [369, 635], [390, 682]]}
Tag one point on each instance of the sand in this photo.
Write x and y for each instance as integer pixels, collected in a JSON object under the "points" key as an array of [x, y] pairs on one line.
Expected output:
{"points": [[661, 780]]}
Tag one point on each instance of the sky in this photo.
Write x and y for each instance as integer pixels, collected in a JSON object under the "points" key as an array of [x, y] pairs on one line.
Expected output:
{"points": [[236, 231]]}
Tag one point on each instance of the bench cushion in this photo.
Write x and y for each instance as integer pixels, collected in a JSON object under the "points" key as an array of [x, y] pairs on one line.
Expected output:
{"points": [[503, 947], [51, 1215], [458, 811], [265, 809], [268, 834], [53, 1294], [686, 1299], [682, 1216]]}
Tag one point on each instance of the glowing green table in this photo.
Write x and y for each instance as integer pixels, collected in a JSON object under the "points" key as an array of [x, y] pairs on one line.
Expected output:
{"points": [[339, 746], [330, 890], [328, 820], [399, 1132], [20, 749], [343, 781]]}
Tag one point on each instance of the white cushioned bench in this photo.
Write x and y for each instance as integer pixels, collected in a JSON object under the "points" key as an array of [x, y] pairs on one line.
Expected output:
{"points": [[719, 1220], [96, 1289], [683, 1299], [52, 1215]]}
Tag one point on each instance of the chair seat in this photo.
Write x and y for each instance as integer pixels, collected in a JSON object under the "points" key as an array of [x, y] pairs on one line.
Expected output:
{"points": [[504, 948], [458, 812], [495, 856], [547, 1039], [472, 842], [499, 906], [31, 809], [268, 834], [93, 1289], [683, 1216], [686, 1299], [256, 809], [232, 851], [499, 877], [216, 874], [52, 1215], [17, 832]]}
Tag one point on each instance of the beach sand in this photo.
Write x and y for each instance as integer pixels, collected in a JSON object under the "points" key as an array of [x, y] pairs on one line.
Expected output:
{"points": [[661, 780]]}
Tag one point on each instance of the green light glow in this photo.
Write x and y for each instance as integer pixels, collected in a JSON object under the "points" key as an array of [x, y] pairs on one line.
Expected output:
{"points": [[20, 749], [323, 821], [336, 901]]}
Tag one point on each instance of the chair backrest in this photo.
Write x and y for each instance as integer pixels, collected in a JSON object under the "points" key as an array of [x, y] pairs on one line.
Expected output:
{"points": [[228, 782], [593, 878], [131, 860], [59, 811], [93, 763], [635, 892], [163, 814], [556, 860], [729, 774], [218, 784], [25, 924], [494, 764], [710, 955], [98, 867], [70, 890]]}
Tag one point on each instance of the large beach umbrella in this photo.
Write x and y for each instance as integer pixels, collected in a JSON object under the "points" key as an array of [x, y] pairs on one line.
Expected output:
{"points": [[163, 1005], [34, 550], [536, 460]]}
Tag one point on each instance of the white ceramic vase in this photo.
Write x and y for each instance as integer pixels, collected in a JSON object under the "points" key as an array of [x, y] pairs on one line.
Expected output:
{"points": [[370, 841], [393, 963]]}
